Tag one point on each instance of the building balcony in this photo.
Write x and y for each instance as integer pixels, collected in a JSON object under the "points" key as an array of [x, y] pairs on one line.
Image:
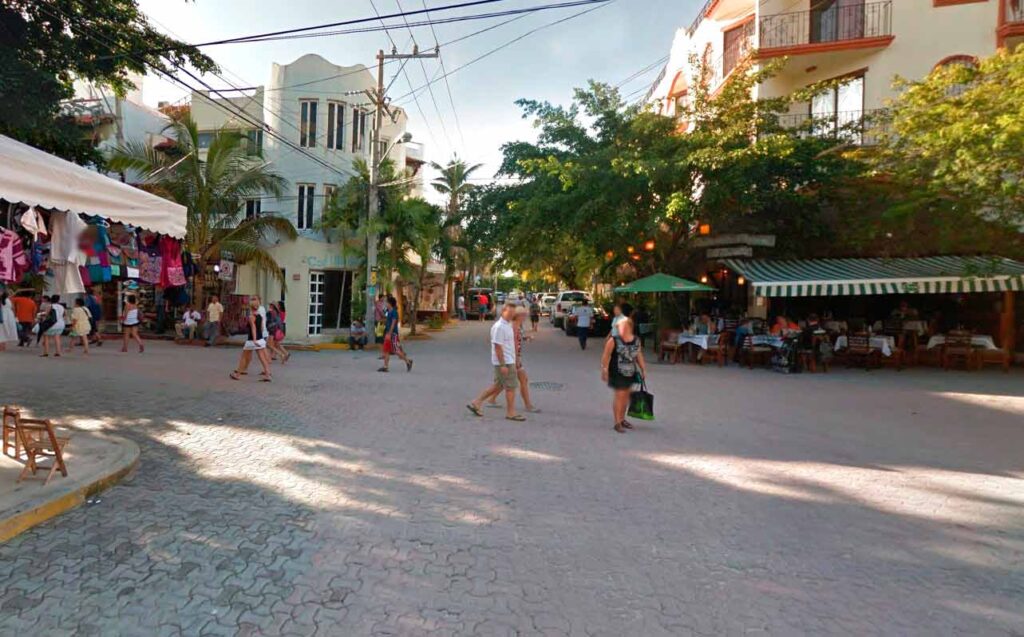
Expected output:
{"points": [[835, 27], [861, 128], [1011, 23]]}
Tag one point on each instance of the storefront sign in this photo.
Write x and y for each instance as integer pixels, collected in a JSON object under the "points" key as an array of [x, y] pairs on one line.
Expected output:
{"points": [[227, 270], [332, 261]]}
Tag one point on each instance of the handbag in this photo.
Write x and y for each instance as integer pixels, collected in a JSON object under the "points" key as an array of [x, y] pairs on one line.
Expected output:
{"points": [[641, 402]]}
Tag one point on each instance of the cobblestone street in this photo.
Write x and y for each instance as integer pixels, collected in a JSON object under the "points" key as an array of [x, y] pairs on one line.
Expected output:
{"points": [[340, 501]]}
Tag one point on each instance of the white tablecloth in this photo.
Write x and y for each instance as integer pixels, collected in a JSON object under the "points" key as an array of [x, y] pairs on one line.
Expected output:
{"points": [[765, 339], [883, 343], [700, 340], [981, 341]]}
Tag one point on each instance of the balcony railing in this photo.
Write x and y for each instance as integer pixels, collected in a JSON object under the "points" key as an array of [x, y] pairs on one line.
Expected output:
{"points": [[863, 128], [836, 23], [1013, 11]]}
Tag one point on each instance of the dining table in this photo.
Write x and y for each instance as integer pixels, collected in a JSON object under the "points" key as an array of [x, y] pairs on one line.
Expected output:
{"points": [[885, 344], [979, 341]]}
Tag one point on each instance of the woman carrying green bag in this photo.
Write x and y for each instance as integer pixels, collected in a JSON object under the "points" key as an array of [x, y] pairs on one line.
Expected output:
{"points": [[621, 364]]}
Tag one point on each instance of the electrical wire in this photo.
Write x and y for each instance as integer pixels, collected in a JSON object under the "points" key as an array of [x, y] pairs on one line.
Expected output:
{"points": [[423, 67], [448, 86]]}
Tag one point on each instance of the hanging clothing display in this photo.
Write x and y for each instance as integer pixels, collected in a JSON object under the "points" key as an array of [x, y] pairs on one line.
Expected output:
{"points": [[33, 222], [13, 262], [65, 257], [171, 273]]}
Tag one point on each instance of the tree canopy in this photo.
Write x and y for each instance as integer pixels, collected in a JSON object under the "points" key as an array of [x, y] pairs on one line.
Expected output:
{"points": [[48, 45]]}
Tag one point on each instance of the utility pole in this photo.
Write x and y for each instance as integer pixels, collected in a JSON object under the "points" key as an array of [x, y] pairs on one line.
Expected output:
{"points": [[380, 102]]}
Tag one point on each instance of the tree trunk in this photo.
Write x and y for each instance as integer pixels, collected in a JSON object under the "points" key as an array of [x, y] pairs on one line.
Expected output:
{"points": [[199, 285], [414, 306]]}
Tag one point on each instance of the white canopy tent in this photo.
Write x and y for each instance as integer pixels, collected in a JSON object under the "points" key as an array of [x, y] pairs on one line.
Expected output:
{"points": [[35, 178]]}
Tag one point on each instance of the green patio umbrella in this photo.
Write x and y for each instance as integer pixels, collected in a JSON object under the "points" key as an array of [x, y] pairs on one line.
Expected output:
{"points": [[663, 283]]}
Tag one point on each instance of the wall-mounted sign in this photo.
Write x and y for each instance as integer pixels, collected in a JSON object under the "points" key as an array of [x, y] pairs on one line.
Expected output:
{"points": [[227, 270]]}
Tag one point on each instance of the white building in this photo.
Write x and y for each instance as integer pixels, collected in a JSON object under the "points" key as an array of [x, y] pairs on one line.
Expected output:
{"points": [[109, 119], [867, 43], [321, 108]]}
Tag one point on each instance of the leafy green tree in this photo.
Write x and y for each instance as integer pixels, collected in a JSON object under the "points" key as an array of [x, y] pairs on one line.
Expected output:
{"points": [[47, 45], [453, 181], [425, 241], [213, 187], [955, 140]]}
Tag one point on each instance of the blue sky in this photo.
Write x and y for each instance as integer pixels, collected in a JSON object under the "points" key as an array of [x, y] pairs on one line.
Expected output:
{"points": [[608, 44]]}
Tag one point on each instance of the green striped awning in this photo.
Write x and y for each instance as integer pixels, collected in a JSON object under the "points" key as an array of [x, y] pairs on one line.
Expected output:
{"points": [[854, 277]]}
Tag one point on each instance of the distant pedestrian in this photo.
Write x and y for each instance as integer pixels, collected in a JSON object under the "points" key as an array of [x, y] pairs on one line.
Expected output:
{"points": [[484, 304], [52, 327], [534, 313], [255, 341], [214, 312], [461, 305], [392, 342], [619, 314], [25, 312], [276, 331], [95, 307], [584, 317], [518, 327], [131, 319], [357, 337], [8, 322], [622, 366], [81, 325], [503, 359]]}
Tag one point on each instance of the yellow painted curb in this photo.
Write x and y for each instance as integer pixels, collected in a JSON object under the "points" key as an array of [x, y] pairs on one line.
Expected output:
{"points": [[24, 520]]}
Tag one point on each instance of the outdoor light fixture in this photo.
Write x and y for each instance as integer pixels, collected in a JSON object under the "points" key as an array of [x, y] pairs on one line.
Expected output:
{"points": [[630, 249], [703, 278], [705, 228], [741, 281], [216, 267], [649, 245], [636, 257], [609, 254]]}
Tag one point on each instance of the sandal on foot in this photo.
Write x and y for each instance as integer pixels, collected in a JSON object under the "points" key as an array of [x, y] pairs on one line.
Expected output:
{"points": [[516, 418], [235, 376], [265, 379], [408, 365], [626, 424], [383, 369], [476, 410], [619, 428]]}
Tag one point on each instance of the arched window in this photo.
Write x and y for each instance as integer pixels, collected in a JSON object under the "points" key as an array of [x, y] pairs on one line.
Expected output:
{"points": [[967, 61]]}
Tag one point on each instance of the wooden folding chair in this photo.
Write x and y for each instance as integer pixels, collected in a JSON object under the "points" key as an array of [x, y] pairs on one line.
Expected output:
{"points": [[719, 351], [668, 346], [40, 442], [10, 433]]}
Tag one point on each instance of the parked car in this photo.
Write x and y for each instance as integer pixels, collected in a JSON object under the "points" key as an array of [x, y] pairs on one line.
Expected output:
{"points": [[600, 326], [564, 303], [547, 302], [472, 307], [499, 297]]}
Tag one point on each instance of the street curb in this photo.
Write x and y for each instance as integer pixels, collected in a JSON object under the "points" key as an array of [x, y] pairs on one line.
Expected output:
{"points": [[41, 509]]}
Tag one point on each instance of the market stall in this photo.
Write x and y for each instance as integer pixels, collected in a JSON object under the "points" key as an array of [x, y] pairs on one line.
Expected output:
{"points": [[66, 229]]}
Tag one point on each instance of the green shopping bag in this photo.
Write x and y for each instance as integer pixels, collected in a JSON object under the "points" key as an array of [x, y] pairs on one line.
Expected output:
{"points": [[641, 403]]}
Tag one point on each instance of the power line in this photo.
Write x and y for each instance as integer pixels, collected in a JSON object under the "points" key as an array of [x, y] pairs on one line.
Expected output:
{"points": [[240, 114], [405, 72], [451, 100], [426, 77], [647, 69], [509, 43]]}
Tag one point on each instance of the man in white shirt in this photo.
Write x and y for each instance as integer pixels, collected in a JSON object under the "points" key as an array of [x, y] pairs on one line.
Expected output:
{"points": [[214, 310], [503, 359], [461, 304], [584, 318], [189, 324]]}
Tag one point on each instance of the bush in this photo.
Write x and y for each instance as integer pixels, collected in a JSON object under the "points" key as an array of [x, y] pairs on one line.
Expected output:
{"points": [[436, 322]]}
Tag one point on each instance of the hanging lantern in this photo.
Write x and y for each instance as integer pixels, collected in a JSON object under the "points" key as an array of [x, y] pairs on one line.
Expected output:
{"points": [[630, 249], [741, 280], [704, 229], [649, 245], [703, 278], [609, 254], [635, 257]]}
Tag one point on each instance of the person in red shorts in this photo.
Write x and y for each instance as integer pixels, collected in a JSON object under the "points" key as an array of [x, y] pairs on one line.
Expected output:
{"points": [[392, 344]]}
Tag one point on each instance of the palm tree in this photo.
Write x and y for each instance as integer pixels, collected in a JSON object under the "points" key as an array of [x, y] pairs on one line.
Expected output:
{"points": [[213, 188], [454, 181]]}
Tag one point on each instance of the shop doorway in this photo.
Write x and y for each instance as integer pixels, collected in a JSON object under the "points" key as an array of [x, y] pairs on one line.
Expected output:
{"points": [[330, 300]]}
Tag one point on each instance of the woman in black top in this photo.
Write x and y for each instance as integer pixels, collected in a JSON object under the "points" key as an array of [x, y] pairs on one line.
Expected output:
{"points": [[622, 366]]}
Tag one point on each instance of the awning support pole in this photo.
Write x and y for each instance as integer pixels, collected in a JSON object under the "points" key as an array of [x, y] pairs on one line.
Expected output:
{"points": [[1007, 331]]}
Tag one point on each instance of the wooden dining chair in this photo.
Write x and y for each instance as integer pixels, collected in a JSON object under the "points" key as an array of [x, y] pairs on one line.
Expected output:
{"points": [[959, 349], [810, 358], [749, 352], [860, 353], [669, 347], [10, 433], [1000, 356], [719, 351]]}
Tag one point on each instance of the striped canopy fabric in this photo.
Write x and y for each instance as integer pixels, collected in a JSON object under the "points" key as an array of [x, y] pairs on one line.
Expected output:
{"points": [[854, 277]]}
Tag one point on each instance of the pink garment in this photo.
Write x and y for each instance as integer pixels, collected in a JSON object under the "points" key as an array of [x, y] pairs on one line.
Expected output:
{"points": [[172, 273], [9, 245]]}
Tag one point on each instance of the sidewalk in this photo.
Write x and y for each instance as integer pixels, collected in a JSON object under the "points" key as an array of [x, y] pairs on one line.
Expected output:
{"points": [[95, 461]]}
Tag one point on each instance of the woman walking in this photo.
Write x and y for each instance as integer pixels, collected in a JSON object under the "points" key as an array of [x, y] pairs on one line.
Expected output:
{"points": [[81, 325], [534, 313], [130, 321], [622, 365], [53, 333], [255, 342], [275, 331], [8, 322]]}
